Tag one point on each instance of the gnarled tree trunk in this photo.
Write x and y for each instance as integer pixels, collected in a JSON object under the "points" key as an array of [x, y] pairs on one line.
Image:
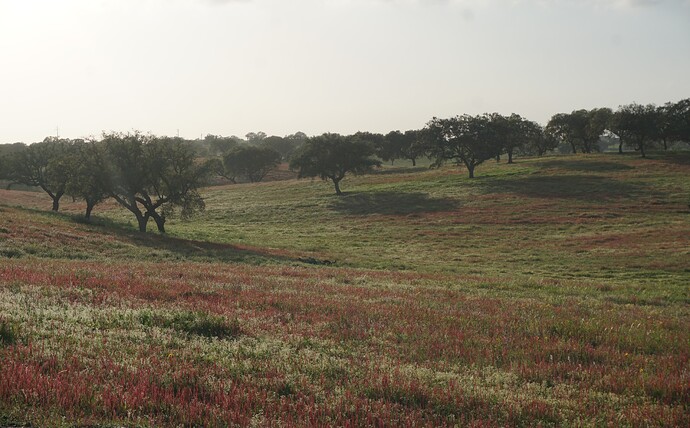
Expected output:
{"points": [[159, 219]]}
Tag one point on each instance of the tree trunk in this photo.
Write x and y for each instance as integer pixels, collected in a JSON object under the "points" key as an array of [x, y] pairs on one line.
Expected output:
{"points": [[143, 220], [337, 187], [642, 149], [498, 158], [54, 196], [130, 203], [620, 146], [160, 221], [587, 147], [89, 208], [665, 145], [414, 161], [573, 146], [470, 168], [510, 156]]}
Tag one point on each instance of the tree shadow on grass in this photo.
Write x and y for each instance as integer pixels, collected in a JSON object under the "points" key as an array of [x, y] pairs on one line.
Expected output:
{"points": [[678, 158], [155, 246], [399, 170], [583, 187], [583, 165], [168, 247], [392, 203]]}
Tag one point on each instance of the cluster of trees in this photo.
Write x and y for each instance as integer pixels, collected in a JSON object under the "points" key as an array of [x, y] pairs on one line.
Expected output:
{"points": [[636, 126], [467, 140], [248, 160], [396, 145], [150, 176], [471, 140], [216, 145]]}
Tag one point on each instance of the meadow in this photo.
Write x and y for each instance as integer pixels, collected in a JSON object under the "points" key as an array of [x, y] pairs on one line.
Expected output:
{"points": [[550, 292]]}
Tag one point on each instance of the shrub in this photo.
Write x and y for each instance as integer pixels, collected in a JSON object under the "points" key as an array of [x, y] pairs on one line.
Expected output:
{"points": [[194, 323], [8, 332]]}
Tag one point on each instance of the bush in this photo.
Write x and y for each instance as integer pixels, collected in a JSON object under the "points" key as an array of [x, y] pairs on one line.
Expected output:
{"points": [[195, 323], [8, 332]]}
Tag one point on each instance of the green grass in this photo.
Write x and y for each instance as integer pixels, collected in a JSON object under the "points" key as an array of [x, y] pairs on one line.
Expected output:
{"points": [[603, 218]]}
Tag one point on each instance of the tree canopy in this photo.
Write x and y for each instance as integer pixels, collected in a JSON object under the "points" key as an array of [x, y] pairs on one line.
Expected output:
{"points": [[42, 165], [465, 139], [88, 175], [639, 124], [250, 162], [332, 156], [152, 177]]}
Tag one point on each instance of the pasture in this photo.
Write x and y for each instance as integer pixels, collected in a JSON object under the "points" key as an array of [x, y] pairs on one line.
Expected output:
{"points": [[551, 292]]}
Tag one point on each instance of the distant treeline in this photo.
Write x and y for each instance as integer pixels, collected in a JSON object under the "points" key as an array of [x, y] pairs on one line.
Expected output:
{"points": [[154, 177]]}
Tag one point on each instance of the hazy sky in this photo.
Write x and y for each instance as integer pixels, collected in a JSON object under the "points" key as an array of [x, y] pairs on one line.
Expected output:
{"points": [[281, 66]]}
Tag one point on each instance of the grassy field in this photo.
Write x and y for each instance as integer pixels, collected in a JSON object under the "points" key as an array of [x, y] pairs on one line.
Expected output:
{"points": [[550, 292]]}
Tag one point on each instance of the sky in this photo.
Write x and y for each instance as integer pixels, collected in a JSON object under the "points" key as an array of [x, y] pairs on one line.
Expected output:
{"points": [[229, 67]]}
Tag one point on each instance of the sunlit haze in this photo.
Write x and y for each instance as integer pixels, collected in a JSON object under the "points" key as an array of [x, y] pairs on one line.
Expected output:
{"points": [[232, 67]]}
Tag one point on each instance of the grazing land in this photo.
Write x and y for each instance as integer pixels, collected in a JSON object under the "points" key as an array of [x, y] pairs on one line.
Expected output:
{"points": [[550, 292]]}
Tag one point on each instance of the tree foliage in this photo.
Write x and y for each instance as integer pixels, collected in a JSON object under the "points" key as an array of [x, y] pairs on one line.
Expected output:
{"points": [[507, 133], [679, 118], [219, 145], [250, 162], [467, 140], [284, 146], [332, 156], [568, 127], [414, 146], [152, 177], [42, 165], [88, 175], [581, 129], [255, 137], [539, 140], [391, 146], [639, 124]]}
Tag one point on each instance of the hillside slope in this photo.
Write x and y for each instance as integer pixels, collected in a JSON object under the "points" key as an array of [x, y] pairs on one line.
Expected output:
{"points": [[551, 292]]}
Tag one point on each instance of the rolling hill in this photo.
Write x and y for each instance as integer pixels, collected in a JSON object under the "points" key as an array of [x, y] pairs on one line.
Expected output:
{"points": [[549, 292]]}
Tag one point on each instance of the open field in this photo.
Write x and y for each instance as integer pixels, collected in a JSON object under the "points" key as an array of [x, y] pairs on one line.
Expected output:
{"points": [[551, 292]]}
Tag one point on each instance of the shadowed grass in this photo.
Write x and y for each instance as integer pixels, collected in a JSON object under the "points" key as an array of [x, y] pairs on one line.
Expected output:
{"points": [[586, 187], [72, 238], [391, 203], [585, 165]]}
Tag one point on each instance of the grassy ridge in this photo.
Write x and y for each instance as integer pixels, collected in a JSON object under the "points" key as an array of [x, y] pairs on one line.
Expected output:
{"points": [[550, 292]]}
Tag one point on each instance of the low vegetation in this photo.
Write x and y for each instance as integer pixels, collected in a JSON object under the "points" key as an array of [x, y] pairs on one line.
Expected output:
{"points": [[548, 292]]}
